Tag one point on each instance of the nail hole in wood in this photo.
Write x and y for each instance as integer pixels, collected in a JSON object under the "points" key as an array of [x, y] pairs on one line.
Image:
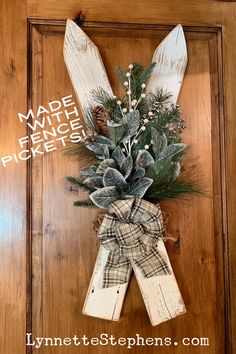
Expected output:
{"points": [[79, 20]]}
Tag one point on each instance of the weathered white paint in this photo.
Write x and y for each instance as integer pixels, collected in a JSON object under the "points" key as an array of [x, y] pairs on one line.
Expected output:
{"points": [[171, 61], [103, 303], [161, 294], [84, 65], [87, 72]]}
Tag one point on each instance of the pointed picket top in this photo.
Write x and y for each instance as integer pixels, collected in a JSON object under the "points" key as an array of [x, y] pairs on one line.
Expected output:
{"points": [[171, 61], [85, 67]]}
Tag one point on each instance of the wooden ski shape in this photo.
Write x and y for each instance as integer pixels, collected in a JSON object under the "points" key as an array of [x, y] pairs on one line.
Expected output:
{"points": [[161, 293], [87, 72]]}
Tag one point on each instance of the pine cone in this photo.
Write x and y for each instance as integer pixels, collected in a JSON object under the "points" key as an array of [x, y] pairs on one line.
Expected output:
{"points": [[101, 117]]}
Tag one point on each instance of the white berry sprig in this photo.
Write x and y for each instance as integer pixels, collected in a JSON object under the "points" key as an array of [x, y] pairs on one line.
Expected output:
{"points": [[127, 85], [145, 121], [142, 95]]}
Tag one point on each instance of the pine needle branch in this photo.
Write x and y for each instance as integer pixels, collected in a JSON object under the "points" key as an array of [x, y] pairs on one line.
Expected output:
{"points": [[80, 185], [108, 102], [146, 73], [169, 186], [121, 74], [177, 189], [85, 204], [78, 151], [101, 96], [160, 97]]}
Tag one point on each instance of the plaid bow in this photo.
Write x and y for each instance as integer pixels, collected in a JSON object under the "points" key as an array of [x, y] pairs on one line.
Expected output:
{"points": [[130, 232]]}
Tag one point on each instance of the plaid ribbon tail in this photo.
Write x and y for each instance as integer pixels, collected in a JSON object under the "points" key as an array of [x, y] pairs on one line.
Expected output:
{"points": [[116, 271], [153, 264]]}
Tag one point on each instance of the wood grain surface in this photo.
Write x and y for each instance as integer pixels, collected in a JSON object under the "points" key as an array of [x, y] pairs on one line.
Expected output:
{"points": [[68, 243], [13, 98]]}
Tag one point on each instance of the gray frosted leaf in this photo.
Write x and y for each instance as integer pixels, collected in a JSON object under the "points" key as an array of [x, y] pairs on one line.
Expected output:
{"points": [[116, 131], [172, 150], [131, 122], [88, 172], [112, 177], [104, 165], [159, 142], [95, 182], [105, 154], [144, 159], [138, 173], [126, 166], [139, 187], [103, 140], [118, 156], [93, 147], [103, 197], [100, 150]]}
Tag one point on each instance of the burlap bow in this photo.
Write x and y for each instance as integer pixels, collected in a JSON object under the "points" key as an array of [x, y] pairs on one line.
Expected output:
{"points": [[130, 232]]}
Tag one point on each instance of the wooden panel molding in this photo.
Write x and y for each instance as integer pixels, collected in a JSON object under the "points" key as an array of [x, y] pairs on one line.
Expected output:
{"points": [[62, 246]]}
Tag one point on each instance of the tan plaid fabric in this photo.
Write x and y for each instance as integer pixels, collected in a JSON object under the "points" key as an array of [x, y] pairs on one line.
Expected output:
{"points": [[131, 231]]}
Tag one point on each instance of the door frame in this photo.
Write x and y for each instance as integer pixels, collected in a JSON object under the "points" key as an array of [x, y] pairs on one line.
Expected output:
{"points": [[229, 257]]}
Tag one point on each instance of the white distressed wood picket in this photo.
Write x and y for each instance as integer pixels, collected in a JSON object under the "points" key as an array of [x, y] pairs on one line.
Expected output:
{"points": [[161, 294], [87, 72]]}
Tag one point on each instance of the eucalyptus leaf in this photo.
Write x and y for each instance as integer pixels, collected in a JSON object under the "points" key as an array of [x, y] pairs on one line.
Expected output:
{"points": [[103, 197], [116, 131], [144, 159], [172, 150], [126, 166], [139, 187], [159, 142], [104, 165], [118, 156], [131, 122], [112, 177], [138, 173], [94, 182]]}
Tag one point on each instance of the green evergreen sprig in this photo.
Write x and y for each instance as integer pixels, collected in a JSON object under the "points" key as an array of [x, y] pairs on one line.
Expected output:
{"points": [[133, 144], [170, 115], [178, 188], [79, 151], [78, 183], [84, 203], [140, 75], [108, 102]]}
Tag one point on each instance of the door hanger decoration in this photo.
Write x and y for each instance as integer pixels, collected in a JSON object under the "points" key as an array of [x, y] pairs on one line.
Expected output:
{"points": [[134, 152]]}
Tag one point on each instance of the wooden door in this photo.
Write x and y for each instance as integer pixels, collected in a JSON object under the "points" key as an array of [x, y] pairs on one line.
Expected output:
{"points": [[50, 245]]}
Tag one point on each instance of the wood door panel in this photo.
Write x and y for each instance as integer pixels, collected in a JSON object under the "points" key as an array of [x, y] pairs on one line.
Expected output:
{"points": [[64, 246], [13, 210], [191, 12]]}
